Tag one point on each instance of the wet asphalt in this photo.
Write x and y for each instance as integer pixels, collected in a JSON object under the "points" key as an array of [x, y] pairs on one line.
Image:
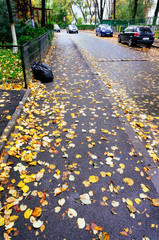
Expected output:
{"points": [[87, 139]]}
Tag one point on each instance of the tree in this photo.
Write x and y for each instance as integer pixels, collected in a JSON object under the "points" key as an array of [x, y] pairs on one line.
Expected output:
{"points": [[156, 13], [100, 8], [12, 26], [43, 13], [62, 11], [135, 9], [22, 8]]}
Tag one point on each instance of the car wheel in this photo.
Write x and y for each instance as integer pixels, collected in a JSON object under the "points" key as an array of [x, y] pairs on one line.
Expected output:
{"points": [[149, 45], [96, 34], [100, 35], [119, 39], [130, 42]]}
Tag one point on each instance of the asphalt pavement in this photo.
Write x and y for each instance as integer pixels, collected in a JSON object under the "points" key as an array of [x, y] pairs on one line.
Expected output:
{"points": [[73, 171]]}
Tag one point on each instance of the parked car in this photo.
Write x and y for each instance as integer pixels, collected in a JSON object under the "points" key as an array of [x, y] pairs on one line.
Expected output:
{"points": [[56, 28], [104, 30], [137, 35], [72, 29]]}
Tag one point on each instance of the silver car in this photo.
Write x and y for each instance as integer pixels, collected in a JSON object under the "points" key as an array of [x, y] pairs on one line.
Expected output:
{"points": [[72, 29]]}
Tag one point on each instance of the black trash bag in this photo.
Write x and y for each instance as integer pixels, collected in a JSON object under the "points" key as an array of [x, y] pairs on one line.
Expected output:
{"points": [[42, 72]]}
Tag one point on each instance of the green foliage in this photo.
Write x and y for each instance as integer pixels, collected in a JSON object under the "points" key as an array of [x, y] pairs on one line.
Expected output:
{"points": [[124, 9], [61, 11], [85, 27], [26, 33], [10, 61], [5, 32]]}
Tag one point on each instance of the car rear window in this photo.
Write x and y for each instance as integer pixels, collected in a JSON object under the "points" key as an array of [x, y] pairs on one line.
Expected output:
{"points": [[145, 30]]}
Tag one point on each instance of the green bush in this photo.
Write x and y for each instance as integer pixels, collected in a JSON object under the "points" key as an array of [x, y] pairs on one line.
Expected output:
{"points": [[25, 32], [85, 27]]}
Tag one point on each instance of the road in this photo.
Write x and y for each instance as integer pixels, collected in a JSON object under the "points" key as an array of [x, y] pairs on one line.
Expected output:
{"points": [[132, 75]]}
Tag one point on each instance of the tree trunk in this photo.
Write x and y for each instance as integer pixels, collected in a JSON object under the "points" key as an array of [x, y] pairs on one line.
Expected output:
{"points": [[74, 15], [43, 14], [15, 49], [156, 13], [135, 9], [114, 8], [101, 10], [31, 13]]}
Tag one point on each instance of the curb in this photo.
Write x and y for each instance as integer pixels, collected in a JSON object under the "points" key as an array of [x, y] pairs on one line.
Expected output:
{"points": [[138, 145], [11, 124]]}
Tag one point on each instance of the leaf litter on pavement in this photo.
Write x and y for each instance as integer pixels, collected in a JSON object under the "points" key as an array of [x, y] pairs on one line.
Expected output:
{"points": [[49, 145]]}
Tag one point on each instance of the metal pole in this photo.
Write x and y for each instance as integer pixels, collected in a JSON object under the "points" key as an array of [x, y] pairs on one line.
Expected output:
{"points": [[23, 65], [32, 14]]}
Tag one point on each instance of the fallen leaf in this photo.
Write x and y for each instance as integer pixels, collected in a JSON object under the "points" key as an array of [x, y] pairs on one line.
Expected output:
{"points": [[28, 213], [81, 223], [155, 202], [37, 212], [37, 224], [72, 213], [85, 198], [93, 179], [129, 181]]}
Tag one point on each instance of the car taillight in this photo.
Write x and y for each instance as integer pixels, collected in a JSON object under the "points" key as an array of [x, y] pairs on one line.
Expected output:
{"points": [[153, 34], [136, 34]]}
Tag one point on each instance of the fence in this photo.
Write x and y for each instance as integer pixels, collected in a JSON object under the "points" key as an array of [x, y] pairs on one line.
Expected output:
{"points": [[119, 24], [31, 51]]}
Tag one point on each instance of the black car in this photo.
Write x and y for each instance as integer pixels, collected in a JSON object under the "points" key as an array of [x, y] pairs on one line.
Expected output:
{"points": [[72, 29], [137, 35]]}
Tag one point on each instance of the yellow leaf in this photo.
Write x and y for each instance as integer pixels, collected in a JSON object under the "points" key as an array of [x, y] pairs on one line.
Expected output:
{"points": [[137, 200], [1, 221], [28, 213], [21, 184], [129, 181], [105, 236], [103, 174], [108, 174], [93, 179], [129, 202], [13, 218], [86, 183], [139, 124], [78, 156], [51, 166], [154, 156], [122, 165], [155, 202], [42, 228], [1, 189], [144, 188], [25, 189], [9, 117]]}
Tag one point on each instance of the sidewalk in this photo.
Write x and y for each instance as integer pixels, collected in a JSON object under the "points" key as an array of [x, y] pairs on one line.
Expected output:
{"points": [[73, 172]]}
